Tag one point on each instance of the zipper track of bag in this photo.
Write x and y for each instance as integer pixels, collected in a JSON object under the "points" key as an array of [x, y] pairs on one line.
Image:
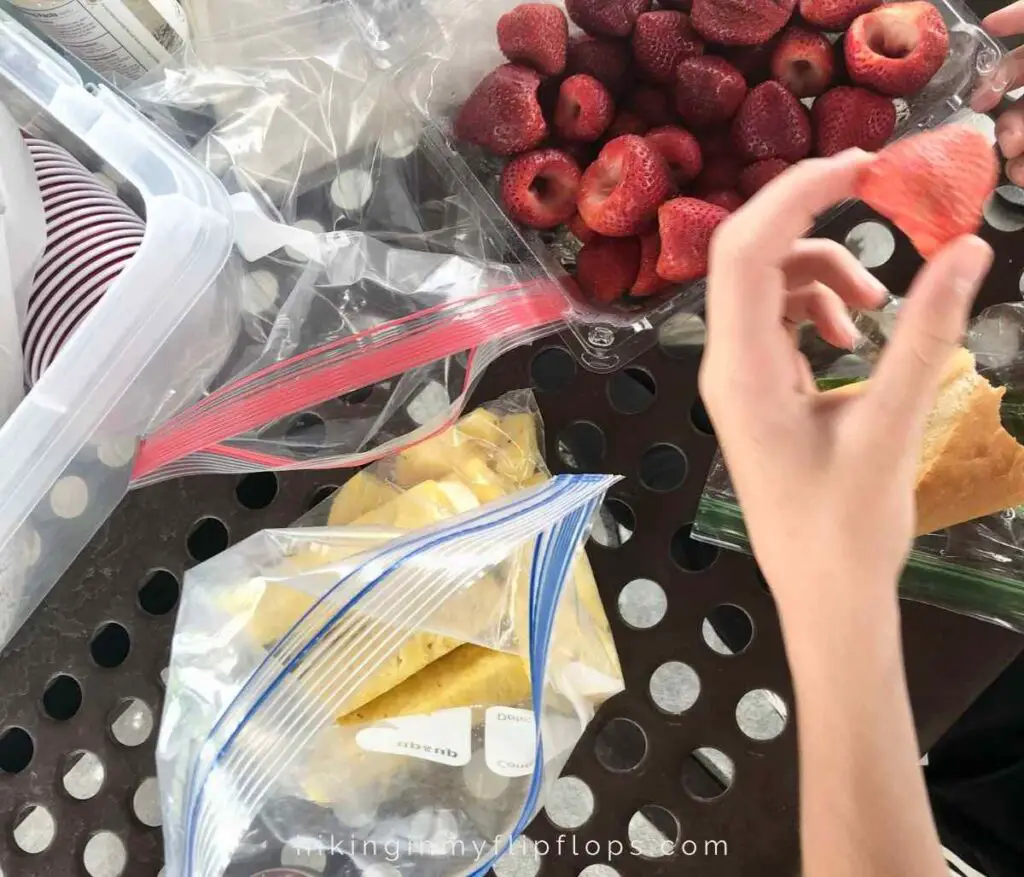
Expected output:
{"points": [[556, 499], [317, 376]]}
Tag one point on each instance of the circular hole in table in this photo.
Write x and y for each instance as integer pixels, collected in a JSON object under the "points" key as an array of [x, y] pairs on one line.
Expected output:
{"points": [[688, 553], [358, 397], [871, 242], [620, 745], [131, 722], [599, 869], [83, 775], [728, 629], [159, 592], [762, 715], [642, 603], [207, 538], [614, 525], [34, 829], [708, 773], [104, 855], [110, 645], [700, 419], [323, 492], [307, 430], [632, 390], [674, 687], [256, 490], [653, 832], [522, 859], [552, 370], [16, 749], [570, 803], [146, 803], [62, 698], [1002, 213], [581, 446], [662, 468], [69, 497]]}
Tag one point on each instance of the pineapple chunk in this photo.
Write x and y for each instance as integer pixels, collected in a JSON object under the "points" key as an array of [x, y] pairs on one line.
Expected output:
{"points": [[361, 494]]}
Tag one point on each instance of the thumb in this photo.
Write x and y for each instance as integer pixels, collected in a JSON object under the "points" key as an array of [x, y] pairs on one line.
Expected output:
{"points": [[930, 324]]}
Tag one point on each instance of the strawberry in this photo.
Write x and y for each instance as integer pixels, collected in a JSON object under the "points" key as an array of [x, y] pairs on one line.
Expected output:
{"points": [[834, 15], [647, 280], [727, 199], [740, 22], [503, 114], [897, 48], [583, 232], [605, 60], [609, 18], [539, 188], [709, 91], [680, 150], [651, 104], [932, 185], [584, 110], [686, 226], [721, 171], [753, 62], [846, 117], [626, 122], [803, 61], [535, 34], [606, 268], [772, 123], [759, 174], [622, 189], [660, 41]]}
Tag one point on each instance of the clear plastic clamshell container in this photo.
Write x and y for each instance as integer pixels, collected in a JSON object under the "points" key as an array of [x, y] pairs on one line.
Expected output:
{"points": [[606, 337], [162, 328]]}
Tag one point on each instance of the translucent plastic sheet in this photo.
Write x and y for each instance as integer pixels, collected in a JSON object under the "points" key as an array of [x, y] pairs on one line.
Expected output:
{"points": [[370, 267], [976, 568], [399, 696]]}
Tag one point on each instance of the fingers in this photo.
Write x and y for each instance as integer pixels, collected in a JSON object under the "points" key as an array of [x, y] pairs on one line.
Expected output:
{"points": [[1010, 132], [824, 261], [823, 307], [931, 323], [1006, 22]]}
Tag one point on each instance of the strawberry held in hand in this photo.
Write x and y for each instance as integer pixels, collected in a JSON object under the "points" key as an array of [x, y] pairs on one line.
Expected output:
{"points": [[933, 185], [686, 226], [740, 22], [503, 113], [848, 117], [536, 35], [660, 41], [772, 123], [620, 192], [539, 188]]}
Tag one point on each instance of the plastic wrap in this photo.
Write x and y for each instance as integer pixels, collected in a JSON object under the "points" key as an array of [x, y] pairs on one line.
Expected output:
{"points": [[975, 568], [369, 267], [399, 687]]}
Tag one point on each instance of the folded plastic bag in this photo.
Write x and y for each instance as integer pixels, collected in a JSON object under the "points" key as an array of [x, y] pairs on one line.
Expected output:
{"points": [[975, 568], [376, 287]]}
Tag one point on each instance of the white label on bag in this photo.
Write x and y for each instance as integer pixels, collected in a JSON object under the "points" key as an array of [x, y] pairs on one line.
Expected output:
{"points": [[510, 741], [443, 737]]}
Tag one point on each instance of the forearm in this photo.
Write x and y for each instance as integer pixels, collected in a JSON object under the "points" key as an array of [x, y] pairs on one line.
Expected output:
{"points": [[864, 806]]}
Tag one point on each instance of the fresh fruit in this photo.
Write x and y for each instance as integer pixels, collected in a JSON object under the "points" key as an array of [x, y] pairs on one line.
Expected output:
{"points": [[740, 22], [834, 15], [647, 280], [605, 60], [651, 104], [584, 233], [686, 226], [772, 123], [539, 188], [680, 150], [803, 61], [661, 40], [623, 187], [709, 91], [753, 62], [728, 199], [759, 174], [606, 268], [535, 34], [503, 114], [721, 171], [610, 18], [932, 185], [897, 48], [626, 122], [847, 117], [585, 108]]}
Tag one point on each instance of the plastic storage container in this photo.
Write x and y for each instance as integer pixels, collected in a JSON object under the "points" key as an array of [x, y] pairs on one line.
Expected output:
{"points": [[605, 339], [161, 330]]}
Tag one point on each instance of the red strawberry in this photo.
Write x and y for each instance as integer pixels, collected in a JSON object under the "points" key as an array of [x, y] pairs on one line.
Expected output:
{"points": [[932, 185], [503, 114], [609, 18], [539, 188], [740, 22], [803, 61], [651, 104], [584, 110], [584, 233], [759, 174], [834, 15], [727, 199], [606, 268], [708, 91], [622, 189], [626, 122], [605, 60], [897, 48], [772, 123], [720, 172], [680, 150], [846, 117], [647, 280], [661, 40], [754, 62], [686, 226], [535, 34]]}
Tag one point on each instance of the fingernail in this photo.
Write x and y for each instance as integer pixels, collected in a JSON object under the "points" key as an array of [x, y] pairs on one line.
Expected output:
{"points": [[973, 259]]}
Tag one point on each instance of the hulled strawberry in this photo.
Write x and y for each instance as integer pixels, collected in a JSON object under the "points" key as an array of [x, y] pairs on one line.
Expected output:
{"points": [[583, 232], [535, 34], [740, 22], [760, 174], [661, 40], [709, 91], [585, 108], [834, 15], [503, 113], [607, 268], [539, 188], [803, 61], [685, 226], [606, 60], [772, 123], [609, 18], [847, 117], [680, 150]]}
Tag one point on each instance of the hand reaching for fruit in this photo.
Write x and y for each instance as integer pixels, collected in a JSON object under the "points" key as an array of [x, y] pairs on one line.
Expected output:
{"points": [[1008, 22]]}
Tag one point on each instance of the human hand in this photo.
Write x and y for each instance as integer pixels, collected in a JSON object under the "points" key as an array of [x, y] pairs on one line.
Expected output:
{"points": [[826, 482], [1007, 22]]}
